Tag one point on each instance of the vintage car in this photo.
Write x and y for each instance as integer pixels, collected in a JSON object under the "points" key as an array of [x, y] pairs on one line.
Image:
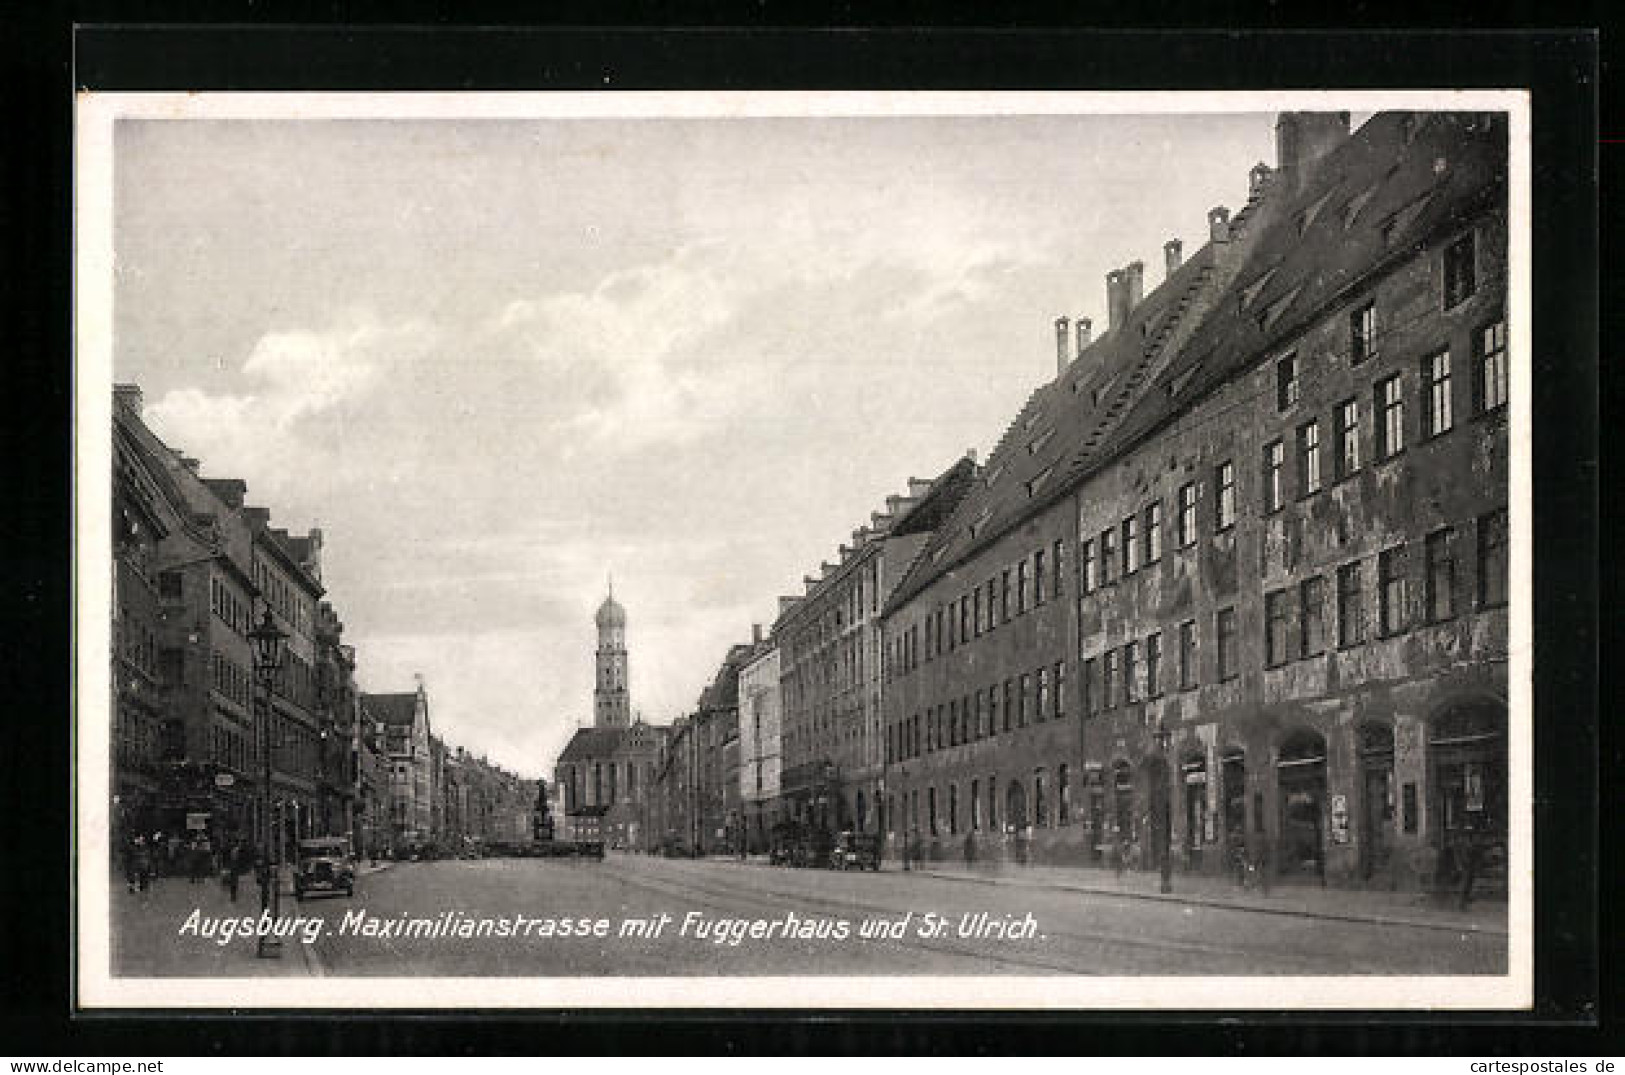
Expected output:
{"points": [[324, 865], [855, 851]]}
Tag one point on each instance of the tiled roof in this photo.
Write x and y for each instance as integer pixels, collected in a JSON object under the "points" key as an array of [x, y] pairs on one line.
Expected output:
{"points": [[592, 743], [1369, 203], [396, 709], [1027, 470]]}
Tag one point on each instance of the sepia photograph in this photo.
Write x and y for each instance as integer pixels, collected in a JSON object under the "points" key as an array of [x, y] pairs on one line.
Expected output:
{"points": [[816, 550]]}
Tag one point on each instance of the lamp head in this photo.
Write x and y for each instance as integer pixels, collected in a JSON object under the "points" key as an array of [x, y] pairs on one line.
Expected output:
{"points": [[267, 639]]}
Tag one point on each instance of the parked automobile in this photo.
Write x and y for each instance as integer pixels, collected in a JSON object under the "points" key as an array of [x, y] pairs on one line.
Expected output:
{"points": [[855, 851], [324, 865]]}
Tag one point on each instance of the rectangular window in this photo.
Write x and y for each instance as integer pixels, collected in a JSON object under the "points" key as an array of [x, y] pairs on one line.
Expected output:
{"points": [[1391, 569], [1440, 555], [1009, 702], [1492, 559], [1088, 568], [1346, 431], [993, 710], [1055, 559], [1390, 400], [1309, 458], [1436, 394], [1460, 278], [1274, 463], [1153, 665], [169, 584], [1109, 675], [992, 601], [1060, 688], [1004, 600], [1021, 587], [1021, 704], [1187, 655], [1225, 622], [1363, 333], [976, 611], [1108, 556], [1187, 515], [1131, 545], [1041, 709], [1131, 670], [1311, 616], [1038, 578], [1350, 606], [1089, 687], [1286, 382], [1490, 370], [1275, 624], [953, 723], [1153, 532], [1224, 479]]}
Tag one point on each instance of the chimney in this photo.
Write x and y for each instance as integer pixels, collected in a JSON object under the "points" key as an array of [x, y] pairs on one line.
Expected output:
{"points": [[1085, 329], [313, 563], [1302, 138], [918, 487], [127, 397], [1062, 345], [970, 453], [1116, 311], [894, 504], [1172, 254], [189, 463], [1257, 180], [1135, 282], [756, 634], [1218, 224], [787, 603], [257, 517]]}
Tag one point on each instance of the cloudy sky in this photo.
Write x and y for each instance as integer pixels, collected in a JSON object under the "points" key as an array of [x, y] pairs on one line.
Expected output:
{"points": [[496, 360]]}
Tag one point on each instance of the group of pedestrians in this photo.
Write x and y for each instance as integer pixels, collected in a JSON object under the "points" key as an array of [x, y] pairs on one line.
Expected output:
{"points": [[148, 857]]}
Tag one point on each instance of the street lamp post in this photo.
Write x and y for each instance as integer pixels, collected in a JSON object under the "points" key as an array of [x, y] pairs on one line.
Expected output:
{"points": [[267, 640], [1164, 737]]}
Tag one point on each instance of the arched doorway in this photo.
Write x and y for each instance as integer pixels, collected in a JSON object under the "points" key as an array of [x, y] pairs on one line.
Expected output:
{"points": [[1015, 806], [1376, 801], [1301, 782], [1467, 751], [1193, 784], [1123, 826]]}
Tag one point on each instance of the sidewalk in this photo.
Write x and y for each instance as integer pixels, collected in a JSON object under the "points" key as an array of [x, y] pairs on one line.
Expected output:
{"points": [[1429, 911], [147, 940], [1306, 900]]}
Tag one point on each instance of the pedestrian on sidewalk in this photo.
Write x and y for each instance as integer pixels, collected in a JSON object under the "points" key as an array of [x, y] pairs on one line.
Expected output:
{"points": [[143, 864], [236, 864], [199, 858], [132, 876]]}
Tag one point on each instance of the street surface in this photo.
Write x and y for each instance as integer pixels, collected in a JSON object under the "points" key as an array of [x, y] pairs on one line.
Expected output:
{"points": [[1095, 933]]}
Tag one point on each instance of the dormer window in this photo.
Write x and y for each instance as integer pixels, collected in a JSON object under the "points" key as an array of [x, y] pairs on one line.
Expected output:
{"points": [[1038, 480], [1038, 442]]}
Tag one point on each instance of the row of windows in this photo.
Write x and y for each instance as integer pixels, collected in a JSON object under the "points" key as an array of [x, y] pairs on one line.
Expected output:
{"points": [[230, 679], [1035, 697], [229, 747], [1028, 584], [1115, 677], [137, 643], [946, 815], [283, 597], [226, 605], [1388, 405]]}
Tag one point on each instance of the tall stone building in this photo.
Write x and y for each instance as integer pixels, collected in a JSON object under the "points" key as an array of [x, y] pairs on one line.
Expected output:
{"points": [[1235, 582], [832, 762], [611, 697], [604, 774], [409, 756]]}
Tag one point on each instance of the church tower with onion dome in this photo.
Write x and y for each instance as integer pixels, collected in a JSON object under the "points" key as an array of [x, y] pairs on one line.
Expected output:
{"points": [[611, 703]]}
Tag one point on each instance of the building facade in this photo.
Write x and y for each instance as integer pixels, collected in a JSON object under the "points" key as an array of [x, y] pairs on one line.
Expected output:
{"points": [[1251, 606], [759, 732], [409, 759], [833, 764]]}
